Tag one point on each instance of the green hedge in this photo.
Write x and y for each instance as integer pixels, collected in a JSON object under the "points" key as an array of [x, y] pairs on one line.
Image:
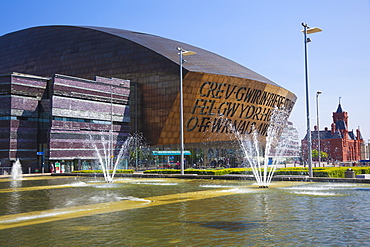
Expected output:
{"points": [[110, 171], [339, 172], [244, 171], [190, 171], [333, 172]]}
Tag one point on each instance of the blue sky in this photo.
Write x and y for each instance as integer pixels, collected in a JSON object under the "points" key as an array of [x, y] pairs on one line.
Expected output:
{"points": [[262, 35]]}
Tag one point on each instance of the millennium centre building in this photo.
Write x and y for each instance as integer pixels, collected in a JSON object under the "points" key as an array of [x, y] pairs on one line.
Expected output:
{"points": [[61, 84]]}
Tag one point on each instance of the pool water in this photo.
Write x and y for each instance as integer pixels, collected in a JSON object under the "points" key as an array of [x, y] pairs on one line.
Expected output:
{"points": [[75, 211]]}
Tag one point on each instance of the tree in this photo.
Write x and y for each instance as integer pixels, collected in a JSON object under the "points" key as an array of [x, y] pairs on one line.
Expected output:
{"points": [[324, 155], [315, 154]]}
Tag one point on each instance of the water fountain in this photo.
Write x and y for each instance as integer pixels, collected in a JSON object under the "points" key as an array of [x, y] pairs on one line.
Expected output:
{"points": [[105, 154], [16, 173], [259, 155]]}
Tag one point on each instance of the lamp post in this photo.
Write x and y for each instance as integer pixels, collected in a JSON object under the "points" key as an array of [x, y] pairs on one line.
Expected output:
{"points": [[182, 53], [318, 125], [136, 131], [111, 130], [308, 30]]}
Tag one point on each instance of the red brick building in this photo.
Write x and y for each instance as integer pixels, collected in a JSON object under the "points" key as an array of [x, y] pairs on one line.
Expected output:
{"points": [[338, 142]]}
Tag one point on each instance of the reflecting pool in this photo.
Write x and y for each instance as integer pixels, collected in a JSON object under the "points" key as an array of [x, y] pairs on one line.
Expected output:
{"points": [[71, 211]]}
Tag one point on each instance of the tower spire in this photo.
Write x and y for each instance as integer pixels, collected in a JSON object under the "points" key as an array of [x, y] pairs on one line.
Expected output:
{"points": [[339, 109]]}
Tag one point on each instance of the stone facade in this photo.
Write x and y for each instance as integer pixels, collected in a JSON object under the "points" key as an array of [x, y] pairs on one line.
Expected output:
{"points": [[57, 119]]}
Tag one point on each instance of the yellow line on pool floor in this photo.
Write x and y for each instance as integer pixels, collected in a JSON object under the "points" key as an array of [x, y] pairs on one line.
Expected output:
{"points": [[38, 217], [50, 187], [46, 187]]}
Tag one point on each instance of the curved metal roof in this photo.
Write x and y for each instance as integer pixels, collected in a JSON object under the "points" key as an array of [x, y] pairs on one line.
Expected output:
{"points": [[204, 61]]}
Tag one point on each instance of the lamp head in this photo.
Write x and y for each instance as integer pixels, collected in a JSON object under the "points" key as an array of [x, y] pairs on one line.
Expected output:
{"points": [[188, 53], [310, 30], [313, 30], [185, 52]]}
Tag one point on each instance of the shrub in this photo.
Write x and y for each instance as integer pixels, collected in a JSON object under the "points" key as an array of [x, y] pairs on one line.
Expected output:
{"points": [[244, 171], [284, 171], [334, 172], [121, 171], [190, 171]]}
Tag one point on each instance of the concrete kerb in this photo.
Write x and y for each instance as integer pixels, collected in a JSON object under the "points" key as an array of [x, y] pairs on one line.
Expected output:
{"points": [[27, 175]]}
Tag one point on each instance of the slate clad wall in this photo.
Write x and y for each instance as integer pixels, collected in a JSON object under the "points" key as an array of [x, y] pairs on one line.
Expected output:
{"points": [[81, 113], [19, 112], [58, 116]]}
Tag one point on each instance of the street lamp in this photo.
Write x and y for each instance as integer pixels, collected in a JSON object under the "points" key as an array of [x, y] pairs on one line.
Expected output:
{"points": [[307, 30], [111, 130], [136, 129], [182, 53], [318, 125]]}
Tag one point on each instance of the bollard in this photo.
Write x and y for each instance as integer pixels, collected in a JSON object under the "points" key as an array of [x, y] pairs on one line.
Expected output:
{"points": [[349, 173]]}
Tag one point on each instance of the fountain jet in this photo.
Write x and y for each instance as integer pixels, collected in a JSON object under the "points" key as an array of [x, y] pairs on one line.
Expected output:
{"points": [[16, 173], [259, 155], [105, 154]]}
